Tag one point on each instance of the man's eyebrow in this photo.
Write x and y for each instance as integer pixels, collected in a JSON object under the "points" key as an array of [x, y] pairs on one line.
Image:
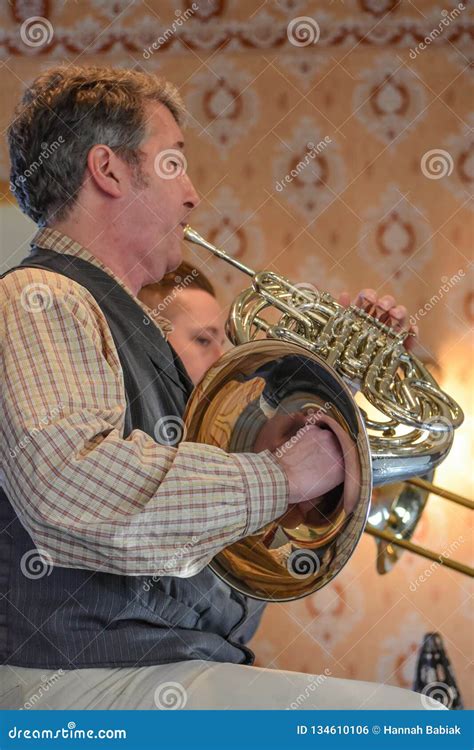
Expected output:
{"points": [[209, 329]]}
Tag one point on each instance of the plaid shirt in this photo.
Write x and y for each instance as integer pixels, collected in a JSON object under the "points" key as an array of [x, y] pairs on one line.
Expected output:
{"points": [[88, 497]]}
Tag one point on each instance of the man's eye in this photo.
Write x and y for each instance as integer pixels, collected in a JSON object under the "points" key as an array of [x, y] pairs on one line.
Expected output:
{"points": [[203, 341]]}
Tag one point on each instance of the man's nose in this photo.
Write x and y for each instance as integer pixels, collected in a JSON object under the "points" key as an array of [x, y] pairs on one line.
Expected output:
{"points": [[217, 351], [191, 198]]}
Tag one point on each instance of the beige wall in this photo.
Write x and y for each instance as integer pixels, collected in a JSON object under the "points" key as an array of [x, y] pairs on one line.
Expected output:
{"points": [[362, 213], [16, 231]]}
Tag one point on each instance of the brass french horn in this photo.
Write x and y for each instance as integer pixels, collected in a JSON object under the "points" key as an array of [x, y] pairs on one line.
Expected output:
{"points": [[304, 363]]}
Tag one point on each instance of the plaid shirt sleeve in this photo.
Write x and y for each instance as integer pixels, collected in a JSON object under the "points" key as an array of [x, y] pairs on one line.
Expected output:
{"points": [[88, 497]]}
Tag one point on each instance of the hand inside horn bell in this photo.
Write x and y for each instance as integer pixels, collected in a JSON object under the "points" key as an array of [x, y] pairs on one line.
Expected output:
{"points": [[311, 457]]}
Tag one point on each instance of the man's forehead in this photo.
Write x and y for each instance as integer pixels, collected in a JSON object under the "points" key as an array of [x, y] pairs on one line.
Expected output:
{"points": [[160, 122], [192, 299]]}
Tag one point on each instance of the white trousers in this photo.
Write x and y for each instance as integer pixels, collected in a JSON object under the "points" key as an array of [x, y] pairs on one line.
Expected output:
{"points": [[195, 685]]}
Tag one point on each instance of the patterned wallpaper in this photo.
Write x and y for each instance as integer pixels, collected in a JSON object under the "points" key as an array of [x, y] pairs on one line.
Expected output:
{"points": [[331, 141]]}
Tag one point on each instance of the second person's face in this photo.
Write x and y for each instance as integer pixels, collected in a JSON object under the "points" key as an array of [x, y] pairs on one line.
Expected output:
{"points": [[198, 334]]}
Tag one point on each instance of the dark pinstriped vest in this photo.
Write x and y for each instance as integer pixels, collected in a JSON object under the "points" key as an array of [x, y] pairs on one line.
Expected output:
{"points": [[77, 618]]}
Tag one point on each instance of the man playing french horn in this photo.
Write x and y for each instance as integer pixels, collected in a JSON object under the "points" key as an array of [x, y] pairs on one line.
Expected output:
{"points": [[123, 517]]}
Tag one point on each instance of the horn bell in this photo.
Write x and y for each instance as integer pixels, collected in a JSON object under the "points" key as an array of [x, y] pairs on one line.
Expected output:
{"points": [[236, 407]]}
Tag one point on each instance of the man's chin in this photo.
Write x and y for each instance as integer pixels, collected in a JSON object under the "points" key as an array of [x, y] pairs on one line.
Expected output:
{"points": [[174, 257], [170, 252], [174, 262]]}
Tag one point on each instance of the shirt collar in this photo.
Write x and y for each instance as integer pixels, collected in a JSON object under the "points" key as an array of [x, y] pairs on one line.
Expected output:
{"points": [[51, 239]]}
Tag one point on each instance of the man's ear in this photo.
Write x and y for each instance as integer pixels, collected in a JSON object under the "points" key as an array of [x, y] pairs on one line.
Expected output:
{"points": [[107, 171]]}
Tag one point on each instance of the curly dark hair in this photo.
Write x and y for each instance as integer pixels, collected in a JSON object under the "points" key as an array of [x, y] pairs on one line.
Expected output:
{"points": [[65, 112]]}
